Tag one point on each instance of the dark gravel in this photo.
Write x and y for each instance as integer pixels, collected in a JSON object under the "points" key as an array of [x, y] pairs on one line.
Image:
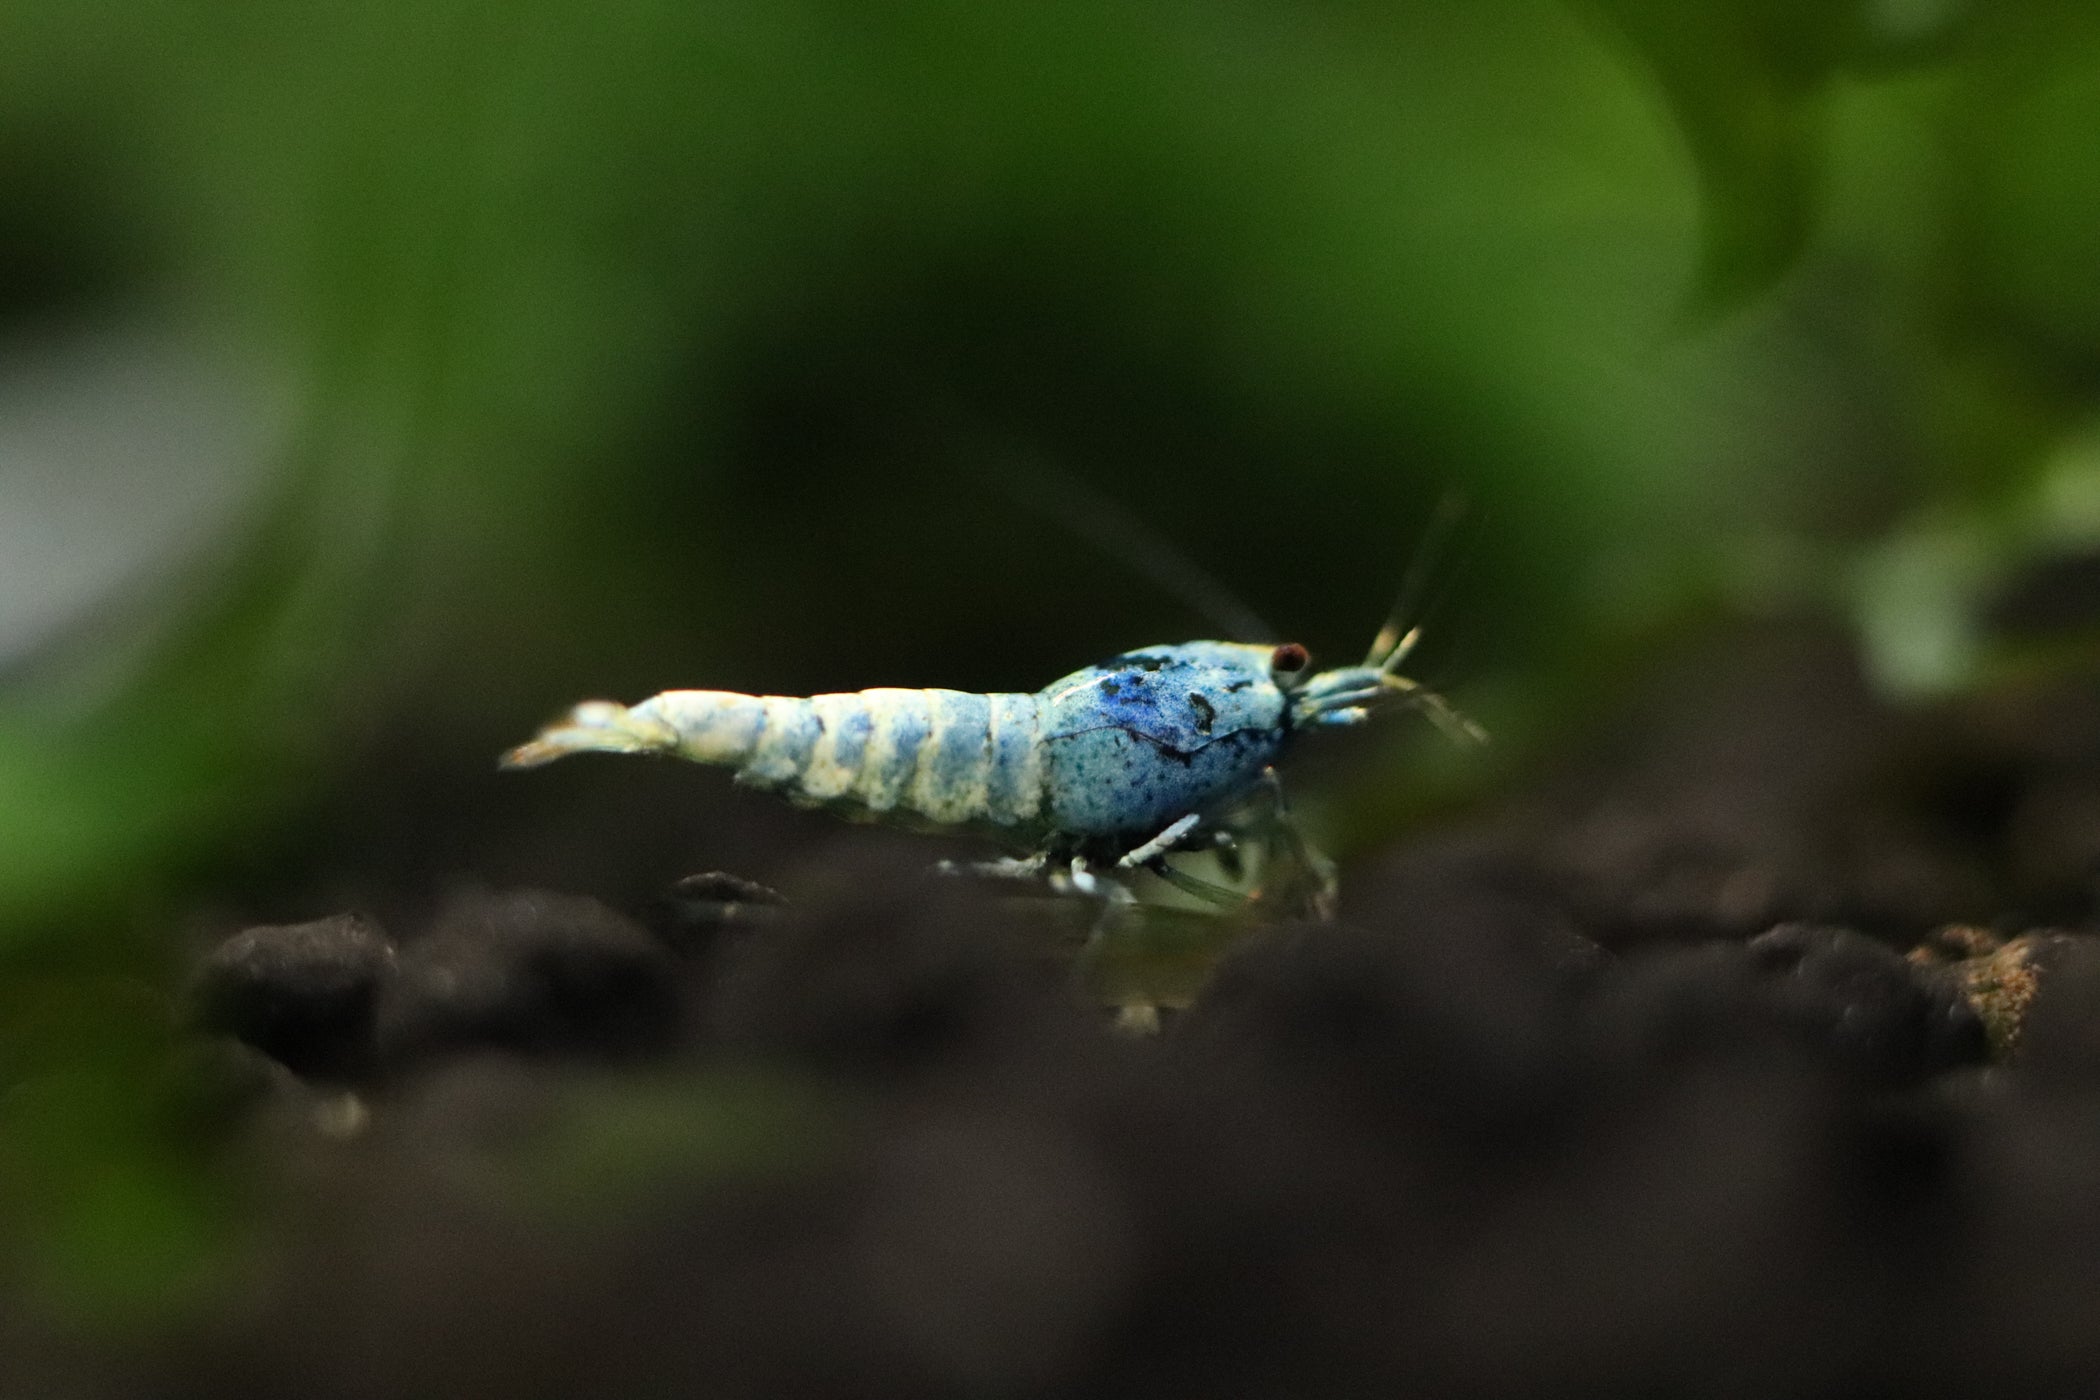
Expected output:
{"points": [[304, 994]]}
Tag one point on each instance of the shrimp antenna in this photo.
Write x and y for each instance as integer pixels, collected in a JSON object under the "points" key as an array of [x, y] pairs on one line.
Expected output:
{"points": [[1440, 711], [1047, 487], [1402, 627]]}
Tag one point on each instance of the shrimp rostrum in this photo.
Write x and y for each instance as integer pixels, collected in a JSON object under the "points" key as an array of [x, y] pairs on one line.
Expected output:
{"points": [[1106, 771]]}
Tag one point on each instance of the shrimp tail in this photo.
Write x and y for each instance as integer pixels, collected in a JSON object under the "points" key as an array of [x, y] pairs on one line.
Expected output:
{"points": [[596, 726]]}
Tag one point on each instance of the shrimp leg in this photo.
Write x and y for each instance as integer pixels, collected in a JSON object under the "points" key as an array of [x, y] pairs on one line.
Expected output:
{"points": [[1167, 840], [1279, 828]]}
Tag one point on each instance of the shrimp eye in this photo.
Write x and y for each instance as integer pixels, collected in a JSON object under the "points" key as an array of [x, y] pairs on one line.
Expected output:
{"points": [[1289, 659]]}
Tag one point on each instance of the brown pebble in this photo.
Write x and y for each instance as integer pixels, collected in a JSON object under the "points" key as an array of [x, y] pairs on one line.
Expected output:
{"points": [[1954, 942], [2002, 983]]}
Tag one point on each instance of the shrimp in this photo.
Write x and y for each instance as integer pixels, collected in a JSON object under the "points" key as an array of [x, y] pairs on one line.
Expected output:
{"points": [[1101, 773]]}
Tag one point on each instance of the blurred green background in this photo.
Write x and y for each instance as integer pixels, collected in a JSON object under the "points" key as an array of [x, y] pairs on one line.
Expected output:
{"points": [[378, 378]]}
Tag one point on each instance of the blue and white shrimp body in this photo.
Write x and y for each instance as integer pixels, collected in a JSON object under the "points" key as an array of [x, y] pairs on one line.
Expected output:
{"points": [[1110, 767]]}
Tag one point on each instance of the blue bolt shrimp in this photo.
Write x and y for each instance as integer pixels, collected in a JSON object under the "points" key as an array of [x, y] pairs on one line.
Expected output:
{"points": [[1101, 773]]}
